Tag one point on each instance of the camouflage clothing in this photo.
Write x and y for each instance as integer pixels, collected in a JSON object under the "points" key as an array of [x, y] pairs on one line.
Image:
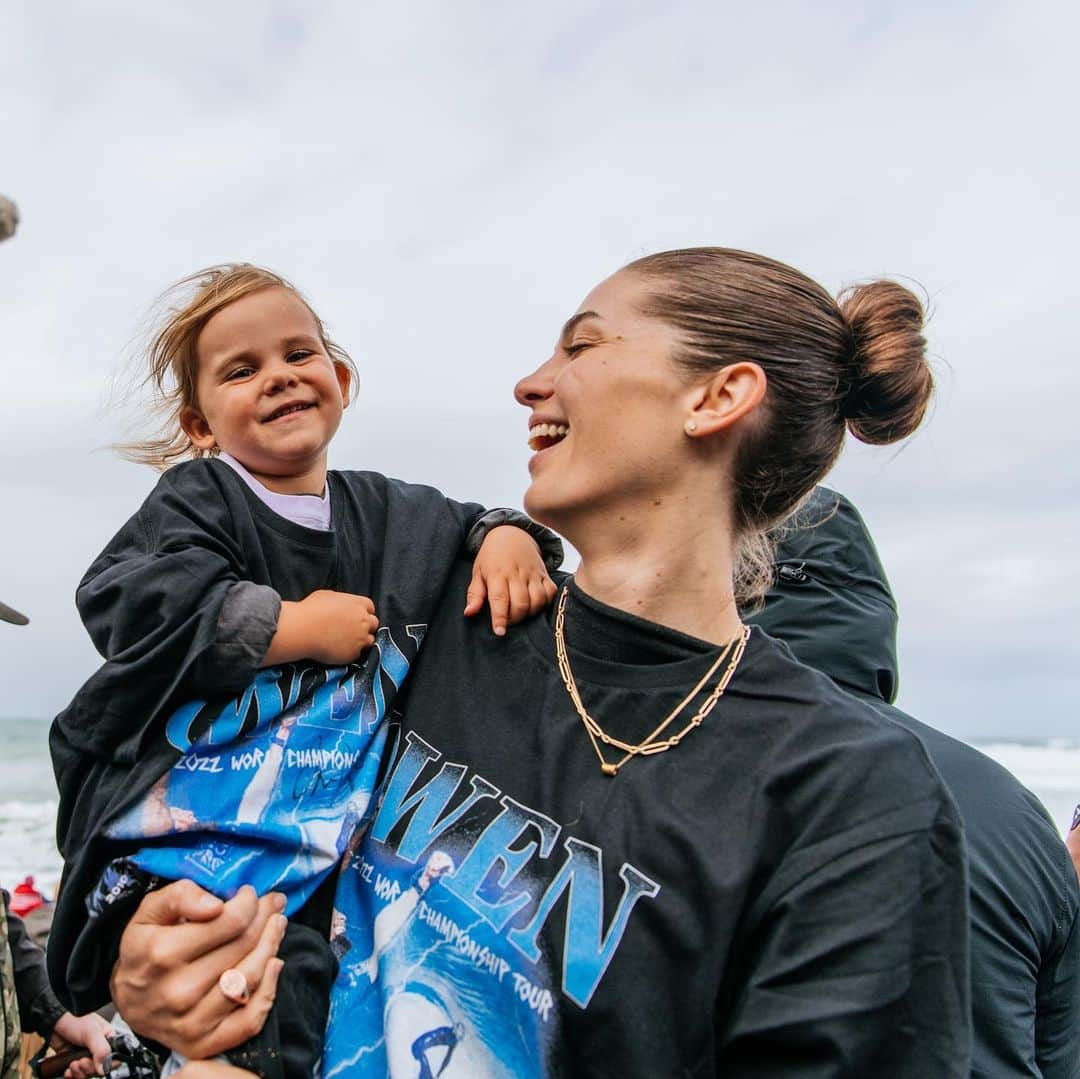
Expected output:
{"points": [[10, 1036]]}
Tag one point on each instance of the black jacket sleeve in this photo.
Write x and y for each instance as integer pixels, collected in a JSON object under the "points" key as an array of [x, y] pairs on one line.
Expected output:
{"points": [[38, 1007], [860, 964]]}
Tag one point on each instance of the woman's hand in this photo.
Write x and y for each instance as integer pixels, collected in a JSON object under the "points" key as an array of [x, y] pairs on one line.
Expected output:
{"points": [[328, 627], [88, 1031], [172, 953], [510, 574]]}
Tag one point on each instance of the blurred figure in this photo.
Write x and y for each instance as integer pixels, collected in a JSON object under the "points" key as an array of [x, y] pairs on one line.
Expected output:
{"points": [[831, 604], [1073, 840], [29, 1004], [26, 1000], [9, 218]]}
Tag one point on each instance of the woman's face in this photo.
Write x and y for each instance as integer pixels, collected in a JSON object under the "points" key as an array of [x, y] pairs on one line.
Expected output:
{"points": [[606, 411]]}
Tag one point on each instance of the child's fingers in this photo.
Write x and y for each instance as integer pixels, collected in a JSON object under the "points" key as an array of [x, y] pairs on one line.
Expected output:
{"points": [[539, 597], [520, 600], [476, 594], [498, 597]]}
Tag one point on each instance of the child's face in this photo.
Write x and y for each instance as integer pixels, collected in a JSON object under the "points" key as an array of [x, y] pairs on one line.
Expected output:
{"points": [[267, 391]]}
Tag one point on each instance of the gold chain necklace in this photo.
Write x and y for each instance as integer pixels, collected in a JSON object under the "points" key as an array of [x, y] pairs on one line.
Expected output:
{"points": [[653, 743]]}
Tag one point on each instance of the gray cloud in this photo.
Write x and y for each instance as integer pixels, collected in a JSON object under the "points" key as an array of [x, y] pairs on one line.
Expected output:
{"points": [[446, 182]]}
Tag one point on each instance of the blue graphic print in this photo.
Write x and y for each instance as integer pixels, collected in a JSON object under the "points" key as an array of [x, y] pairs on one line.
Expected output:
{"points": [[438, 921], [271, 785]]}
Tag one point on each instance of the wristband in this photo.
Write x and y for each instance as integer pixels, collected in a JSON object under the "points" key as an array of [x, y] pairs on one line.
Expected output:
{"points": [[551, 547]]}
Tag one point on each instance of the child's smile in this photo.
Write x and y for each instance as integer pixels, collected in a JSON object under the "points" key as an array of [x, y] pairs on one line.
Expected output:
{"points": [[268, 393]]}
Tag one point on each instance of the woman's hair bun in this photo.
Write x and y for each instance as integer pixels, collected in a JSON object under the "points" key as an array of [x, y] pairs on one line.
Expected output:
{"points": [[890, 381]]}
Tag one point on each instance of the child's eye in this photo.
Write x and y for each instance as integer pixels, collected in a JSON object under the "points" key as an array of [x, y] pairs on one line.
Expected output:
{"points": [[238, 372], [298, 354]]}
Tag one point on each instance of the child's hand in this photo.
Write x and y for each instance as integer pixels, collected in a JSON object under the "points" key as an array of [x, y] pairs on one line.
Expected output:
{"points": [[329, 627], [510, 574]]}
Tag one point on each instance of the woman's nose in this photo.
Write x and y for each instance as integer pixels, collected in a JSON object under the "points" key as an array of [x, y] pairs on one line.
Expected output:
{"points": [[536, 387]]}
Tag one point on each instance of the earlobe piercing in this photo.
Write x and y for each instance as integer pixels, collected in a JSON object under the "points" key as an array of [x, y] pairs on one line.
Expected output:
{"points": [[690, 427]]}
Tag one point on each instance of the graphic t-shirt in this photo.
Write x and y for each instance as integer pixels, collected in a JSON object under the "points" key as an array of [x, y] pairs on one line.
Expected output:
{"points": [[781, 894], [264, 786]]}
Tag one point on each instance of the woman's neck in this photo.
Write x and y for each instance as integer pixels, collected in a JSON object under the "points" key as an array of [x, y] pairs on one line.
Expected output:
{"points": [[673, 570]]}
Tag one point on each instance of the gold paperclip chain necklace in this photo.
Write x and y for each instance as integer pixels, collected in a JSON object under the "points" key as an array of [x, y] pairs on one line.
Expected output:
{"points": [[653, 743]]}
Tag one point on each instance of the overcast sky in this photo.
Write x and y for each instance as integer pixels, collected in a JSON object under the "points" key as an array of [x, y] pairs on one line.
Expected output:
{"points": [[446, 181]]}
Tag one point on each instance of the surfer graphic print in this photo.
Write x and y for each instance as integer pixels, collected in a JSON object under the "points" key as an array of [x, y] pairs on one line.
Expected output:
{"points": [[278, 781], [435, 976]]}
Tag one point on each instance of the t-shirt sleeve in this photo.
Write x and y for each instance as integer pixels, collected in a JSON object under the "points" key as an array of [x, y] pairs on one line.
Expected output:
{"points": [[1057, 1007], [858, 960], [152, 602], [551, 547], [418, 537]]}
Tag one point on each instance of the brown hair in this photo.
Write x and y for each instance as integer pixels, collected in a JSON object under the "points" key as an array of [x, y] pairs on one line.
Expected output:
{"points": [[173, 360], [857, 363]]}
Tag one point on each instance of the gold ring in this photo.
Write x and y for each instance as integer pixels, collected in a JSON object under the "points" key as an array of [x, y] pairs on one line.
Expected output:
{"points": [[234, 986]]}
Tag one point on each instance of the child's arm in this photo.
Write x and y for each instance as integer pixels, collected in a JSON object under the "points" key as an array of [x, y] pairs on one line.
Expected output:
{"points": [[330, 627], [511, 575]]}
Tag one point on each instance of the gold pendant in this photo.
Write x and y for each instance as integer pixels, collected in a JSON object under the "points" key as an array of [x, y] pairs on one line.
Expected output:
{"points": [[609, 769]]}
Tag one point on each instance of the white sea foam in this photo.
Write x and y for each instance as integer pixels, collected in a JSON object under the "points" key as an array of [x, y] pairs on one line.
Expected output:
{"points": [[1051, 769]]}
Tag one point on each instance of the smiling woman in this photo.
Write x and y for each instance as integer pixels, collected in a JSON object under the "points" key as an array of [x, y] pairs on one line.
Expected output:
{"points": [[637, 838]]}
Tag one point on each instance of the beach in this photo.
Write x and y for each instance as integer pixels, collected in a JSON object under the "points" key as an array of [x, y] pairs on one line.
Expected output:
{"points": [[1048, 767]]}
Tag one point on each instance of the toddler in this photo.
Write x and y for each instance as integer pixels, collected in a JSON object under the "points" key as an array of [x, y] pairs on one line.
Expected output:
{"points": [[250, 580]]}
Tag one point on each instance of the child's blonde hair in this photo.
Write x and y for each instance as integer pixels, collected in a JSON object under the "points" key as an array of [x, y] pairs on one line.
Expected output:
{"points": [[173, 358]]}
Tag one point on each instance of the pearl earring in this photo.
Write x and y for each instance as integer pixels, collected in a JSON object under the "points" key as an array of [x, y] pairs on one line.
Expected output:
{"points": [[690, 427]]}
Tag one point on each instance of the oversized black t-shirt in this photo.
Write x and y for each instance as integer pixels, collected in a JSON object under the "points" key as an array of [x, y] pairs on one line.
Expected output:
{"points": [[782, 894], [153, 602]]}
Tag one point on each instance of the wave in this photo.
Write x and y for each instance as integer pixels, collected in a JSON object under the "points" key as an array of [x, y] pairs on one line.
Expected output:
{"points": [[1049, 767]]}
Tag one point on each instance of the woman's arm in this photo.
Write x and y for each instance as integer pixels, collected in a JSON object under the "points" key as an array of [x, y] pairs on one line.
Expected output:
{"points": [[176, 947]]}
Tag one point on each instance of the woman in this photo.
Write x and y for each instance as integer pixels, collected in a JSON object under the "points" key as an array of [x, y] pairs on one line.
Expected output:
{"points": [[638, 839]]}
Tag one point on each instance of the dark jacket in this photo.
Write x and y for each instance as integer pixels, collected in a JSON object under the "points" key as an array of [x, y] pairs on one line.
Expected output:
{"points": [[38, 1007], [832, 605]]}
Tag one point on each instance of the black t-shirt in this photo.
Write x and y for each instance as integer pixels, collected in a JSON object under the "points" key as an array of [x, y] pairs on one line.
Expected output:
{"points": [[781, 894], [153, 602]]}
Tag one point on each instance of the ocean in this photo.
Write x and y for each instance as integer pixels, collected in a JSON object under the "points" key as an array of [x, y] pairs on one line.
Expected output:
{"points": [[1050, 768]]}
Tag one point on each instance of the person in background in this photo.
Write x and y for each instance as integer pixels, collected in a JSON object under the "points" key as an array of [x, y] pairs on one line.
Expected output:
{"points": [[831, 604], [1073, 840], [26, 1000]]}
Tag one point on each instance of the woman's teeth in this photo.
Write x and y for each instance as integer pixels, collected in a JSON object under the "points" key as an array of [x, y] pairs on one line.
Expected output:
{"points": [[544, 435]]}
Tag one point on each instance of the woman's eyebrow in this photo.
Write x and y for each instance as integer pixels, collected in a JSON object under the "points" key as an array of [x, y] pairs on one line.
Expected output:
{"points": [[573, 323]]}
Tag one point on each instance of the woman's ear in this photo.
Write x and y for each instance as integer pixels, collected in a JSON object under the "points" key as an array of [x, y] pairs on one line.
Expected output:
{"points": [[730, 394], [344, 380], [194, 425]]}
